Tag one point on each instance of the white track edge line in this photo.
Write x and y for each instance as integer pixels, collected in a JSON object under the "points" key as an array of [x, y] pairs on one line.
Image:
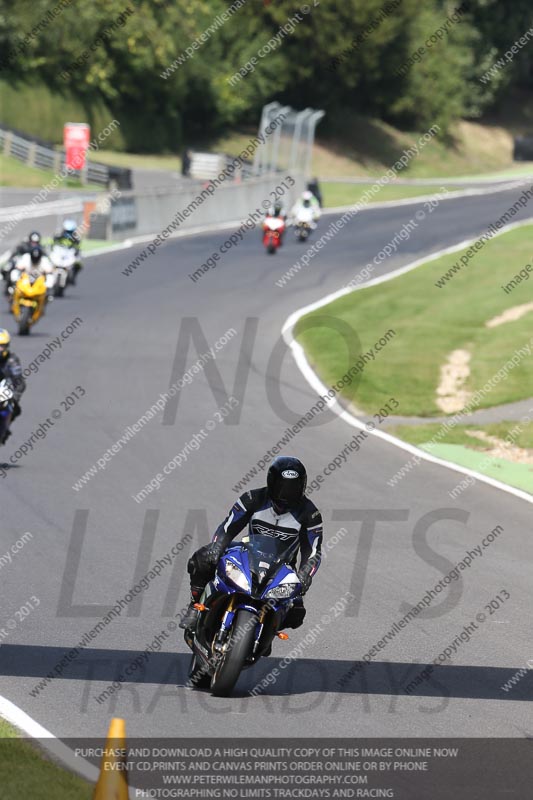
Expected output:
{"points": [[317, 385], [17, 717]]}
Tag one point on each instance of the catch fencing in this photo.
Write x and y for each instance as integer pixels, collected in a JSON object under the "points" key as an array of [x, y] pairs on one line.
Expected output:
{"points": [[290, 147]]}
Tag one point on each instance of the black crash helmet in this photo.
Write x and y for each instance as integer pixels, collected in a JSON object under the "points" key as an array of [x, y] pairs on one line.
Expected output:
{"points": [[286, 482], [36, 254]]}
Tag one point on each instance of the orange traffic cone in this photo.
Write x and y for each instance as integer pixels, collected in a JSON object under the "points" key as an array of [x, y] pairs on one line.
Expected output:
{"points": [[113, 781]]}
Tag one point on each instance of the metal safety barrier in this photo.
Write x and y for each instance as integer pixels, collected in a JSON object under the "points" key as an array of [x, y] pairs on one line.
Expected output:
{"points": [[37, 155]]}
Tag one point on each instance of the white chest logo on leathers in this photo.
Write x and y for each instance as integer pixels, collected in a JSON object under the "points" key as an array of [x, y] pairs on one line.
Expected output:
{"points": [[283, 535]]}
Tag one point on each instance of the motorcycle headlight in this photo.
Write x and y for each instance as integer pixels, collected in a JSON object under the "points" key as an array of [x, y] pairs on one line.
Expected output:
{"points": [[281, 592], [236, 575]]}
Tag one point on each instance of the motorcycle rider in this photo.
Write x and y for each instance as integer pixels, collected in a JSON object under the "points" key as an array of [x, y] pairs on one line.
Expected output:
{"points": [[36, 262], [278, 509], [11, 369], [69, 237], [33, 240], [308, 202], [314, 187], [277, 212]]}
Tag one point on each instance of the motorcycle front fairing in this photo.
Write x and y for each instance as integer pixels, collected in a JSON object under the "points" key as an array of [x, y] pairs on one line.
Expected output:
{"points": [[273, 228], [29, 291], [255, 576], [63, 260]]}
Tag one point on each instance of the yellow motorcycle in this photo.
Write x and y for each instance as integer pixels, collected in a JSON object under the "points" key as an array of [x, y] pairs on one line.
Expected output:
{"points": [[29, 300]]}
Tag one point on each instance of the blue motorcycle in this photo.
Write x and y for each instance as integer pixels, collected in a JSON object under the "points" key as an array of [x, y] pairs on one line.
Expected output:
{"points": [[7, 407], [242, 609]]}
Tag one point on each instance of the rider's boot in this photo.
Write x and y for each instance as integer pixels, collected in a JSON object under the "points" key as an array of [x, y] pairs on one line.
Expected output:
{"points": [[190, 618]]}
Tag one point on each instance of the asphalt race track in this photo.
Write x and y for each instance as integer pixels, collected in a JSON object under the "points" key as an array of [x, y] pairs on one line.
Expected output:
{"points": [[90, 546]]}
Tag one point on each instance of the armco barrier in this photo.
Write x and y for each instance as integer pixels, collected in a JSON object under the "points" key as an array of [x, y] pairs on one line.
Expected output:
{"points": [[152, 210], [34, 153]]}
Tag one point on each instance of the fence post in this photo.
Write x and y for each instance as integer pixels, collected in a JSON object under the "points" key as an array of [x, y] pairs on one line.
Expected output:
{"points": [[32, 151], [8, 141], [313, 121]]}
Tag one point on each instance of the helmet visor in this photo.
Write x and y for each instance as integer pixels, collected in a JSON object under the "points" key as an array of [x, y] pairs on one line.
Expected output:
{"points": [[288, 492]]}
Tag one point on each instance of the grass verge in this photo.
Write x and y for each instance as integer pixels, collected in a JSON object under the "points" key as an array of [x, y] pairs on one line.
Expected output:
{"points": [[423, 434], [14, 173], [138, 160], [429, 323], [25, 773], [92, 245], [458, 446], [347, 194]]}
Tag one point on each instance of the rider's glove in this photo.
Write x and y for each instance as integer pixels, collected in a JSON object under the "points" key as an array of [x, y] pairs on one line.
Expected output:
{"points": [[305, 580], [213, 552]]}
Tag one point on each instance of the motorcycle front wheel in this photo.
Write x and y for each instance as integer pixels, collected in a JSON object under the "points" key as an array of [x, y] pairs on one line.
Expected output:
{"points": [[239, 649], [26, 313]]}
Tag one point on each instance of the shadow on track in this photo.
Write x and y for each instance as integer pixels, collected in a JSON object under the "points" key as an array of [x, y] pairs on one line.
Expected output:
{"points": [[302, 676]]}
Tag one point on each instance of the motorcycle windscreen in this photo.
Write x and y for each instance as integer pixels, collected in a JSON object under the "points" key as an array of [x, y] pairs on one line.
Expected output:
{"points": [[267, 553]]}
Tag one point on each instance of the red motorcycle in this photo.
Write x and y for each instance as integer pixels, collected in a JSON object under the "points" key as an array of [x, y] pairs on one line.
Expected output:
{"points": [[273, 228]]}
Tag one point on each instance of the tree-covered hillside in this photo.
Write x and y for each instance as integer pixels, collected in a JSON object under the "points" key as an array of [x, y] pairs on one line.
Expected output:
{"points": [[408, 62]]}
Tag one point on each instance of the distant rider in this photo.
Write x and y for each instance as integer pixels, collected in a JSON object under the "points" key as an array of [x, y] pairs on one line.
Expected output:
{"points": [[277, 210], [314, 187], [278, 213], [36, 262], [69, 237], [307, 205], [11, 369], [279, 509], [33, 240]]}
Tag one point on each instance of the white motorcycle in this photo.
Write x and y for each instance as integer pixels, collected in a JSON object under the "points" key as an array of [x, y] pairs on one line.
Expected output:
{"points": [[304, 223], [63, 260]]}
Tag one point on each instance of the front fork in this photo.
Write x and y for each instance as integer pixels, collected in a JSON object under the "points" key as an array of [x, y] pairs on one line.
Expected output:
{"points": [[261, 624], [221, 638], [225, 626]]}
